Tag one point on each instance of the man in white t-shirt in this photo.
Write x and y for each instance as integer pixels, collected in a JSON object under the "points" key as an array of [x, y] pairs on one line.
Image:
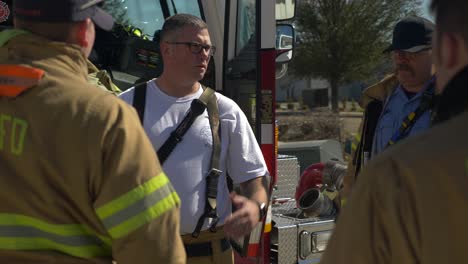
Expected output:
{"points": [[186, 50]]}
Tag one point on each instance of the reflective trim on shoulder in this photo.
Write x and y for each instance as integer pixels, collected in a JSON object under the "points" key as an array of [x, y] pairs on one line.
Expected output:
{"points": [[14, 79], [20, 232], [355, 142], [353, 146], [343, 202], [357, 137], [138, 206]]}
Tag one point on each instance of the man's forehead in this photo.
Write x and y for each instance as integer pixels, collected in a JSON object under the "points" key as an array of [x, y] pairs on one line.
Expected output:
{"points": [[189, 32], [194, 30]]}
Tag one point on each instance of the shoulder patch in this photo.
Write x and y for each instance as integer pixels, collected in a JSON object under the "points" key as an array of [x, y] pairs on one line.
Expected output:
{"points": [[15, 79], [4, 12]]}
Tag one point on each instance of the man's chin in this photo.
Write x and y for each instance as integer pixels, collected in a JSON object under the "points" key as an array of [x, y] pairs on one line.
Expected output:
{"points": [[405, 76], [199, 75]]}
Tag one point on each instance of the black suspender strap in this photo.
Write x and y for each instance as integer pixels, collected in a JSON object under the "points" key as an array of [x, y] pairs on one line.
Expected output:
{"points": [[373, 112], [214, 173], [139, 100], [197, 107]]}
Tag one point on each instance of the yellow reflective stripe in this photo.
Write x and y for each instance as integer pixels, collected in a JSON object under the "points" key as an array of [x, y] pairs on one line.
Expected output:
{"points": [[115, 88], [21, 232], [411, 116], [343, 202], [64, 230], [357, 137], [58, 229], [132, 196], [353, 146], [144, 217], [466, 166], [138, 206], [46, 244], [107, 240]]}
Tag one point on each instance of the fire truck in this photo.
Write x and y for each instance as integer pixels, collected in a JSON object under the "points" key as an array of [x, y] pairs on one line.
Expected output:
{"points": [[254, 42]]}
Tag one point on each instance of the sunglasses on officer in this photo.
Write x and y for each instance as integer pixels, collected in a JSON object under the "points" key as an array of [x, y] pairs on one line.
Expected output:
{"points": [[196, 47]]}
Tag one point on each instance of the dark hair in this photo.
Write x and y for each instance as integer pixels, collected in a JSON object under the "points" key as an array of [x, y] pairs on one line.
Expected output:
{"points": [[451, 16], [175, 23]]}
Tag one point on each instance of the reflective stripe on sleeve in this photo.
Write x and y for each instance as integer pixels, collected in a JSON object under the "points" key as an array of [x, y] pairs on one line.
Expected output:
{"points": [[138, 206], [20, 232]]}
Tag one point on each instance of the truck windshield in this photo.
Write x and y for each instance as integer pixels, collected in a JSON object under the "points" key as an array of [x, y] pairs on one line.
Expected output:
{"points": [[148, 15]]}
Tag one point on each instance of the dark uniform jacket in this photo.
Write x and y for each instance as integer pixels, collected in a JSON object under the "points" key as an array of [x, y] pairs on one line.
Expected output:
{"points": [[372, 101]]}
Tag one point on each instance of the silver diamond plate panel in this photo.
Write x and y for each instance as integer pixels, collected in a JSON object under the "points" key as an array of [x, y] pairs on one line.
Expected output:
{"points": [[283, 208], [318, 233], [284, 240], [287, 232], [288, 177]]}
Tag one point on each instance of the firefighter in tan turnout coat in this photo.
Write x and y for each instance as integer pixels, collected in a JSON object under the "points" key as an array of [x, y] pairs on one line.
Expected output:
{"points": [[80, 181]]}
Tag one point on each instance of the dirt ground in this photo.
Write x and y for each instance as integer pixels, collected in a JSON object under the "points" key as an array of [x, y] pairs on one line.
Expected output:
{"points": [[317, 125]]}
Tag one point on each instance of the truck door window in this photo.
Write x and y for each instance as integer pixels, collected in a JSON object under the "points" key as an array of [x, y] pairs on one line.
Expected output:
{"points": [[245, 23], [147, 15], [185, 6], [143, 14]]}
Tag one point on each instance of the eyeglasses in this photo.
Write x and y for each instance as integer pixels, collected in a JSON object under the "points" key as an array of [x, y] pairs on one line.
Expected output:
{"points": [[196, 47], [407, 55]]}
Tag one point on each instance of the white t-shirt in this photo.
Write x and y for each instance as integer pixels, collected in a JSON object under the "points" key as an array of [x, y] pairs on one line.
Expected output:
{"points": [[188, 165]]}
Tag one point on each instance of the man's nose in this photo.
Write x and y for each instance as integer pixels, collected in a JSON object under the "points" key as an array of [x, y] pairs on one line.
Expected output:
{"points": [[205, 53], [400, 56]]}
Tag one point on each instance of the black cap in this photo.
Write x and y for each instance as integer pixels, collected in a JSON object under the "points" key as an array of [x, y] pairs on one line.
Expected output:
{"points": [[63, 11], [412, 34]]}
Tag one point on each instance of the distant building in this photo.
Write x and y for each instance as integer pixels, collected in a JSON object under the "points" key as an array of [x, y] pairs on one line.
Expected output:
{"points": [[351, 91], [314, 92], [289, 88]]}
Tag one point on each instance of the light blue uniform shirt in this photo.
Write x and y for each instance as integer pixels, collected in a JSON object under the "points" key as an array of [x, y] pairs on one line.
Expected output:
{"points": [[396, 108]]}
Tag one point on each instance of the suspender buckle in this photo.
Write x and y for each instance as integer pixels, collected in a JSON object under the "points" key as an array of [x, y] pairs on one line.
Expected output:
{"points": [[210, 203], [214, 172], [213, 224], [212, 184], [209, 213]]}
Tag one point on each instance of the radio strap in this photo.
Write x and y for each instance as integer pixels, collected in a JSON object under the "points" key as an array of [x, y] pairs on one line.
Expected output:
{"points": [[410, 120]]}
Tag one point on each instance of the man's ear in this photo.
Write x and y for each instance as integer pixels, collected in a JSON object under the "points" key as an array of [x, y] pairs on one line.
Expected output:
{"points": [[165, 49], [450, 49]]}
